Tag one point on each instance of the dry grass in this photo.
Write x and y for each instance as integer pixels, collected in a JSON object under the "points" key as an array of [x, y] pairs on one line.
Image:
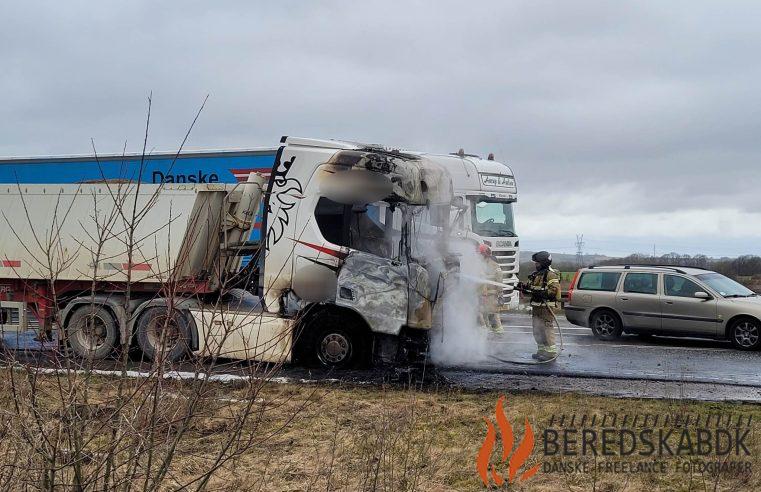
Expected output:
{"points": [[369, 438]]}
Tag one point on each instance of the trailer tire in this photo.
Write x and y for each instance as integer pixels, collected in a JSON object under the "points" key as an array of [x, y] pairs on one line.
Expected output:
{"points": [[150, 327], [92, 332], [332, 341]]}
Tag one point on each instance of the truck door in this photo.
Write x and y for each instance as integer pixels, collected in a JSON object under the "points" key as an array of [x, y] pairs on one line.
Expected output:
{"points": [[377, 288], [639, 301], [683, 312]]}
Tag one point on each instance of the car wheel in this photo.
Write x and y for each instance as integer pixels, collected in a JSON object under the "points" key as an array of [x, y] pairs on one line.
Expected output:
{"points": [[92, 332], [163, 334], [330, 340], [606, 325], [745, 334]]}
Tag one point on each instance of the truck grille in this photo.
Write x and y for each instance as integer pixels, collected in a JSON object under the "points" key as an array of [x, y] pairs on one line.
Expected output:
{"points": [[503, 253], [508, 264]]}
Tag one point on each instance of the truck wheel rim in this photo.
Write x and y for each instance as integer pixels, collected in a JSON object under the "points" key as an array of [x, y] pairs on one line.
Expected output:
{"points": [[166, 325], [605, 324], [93, 334], [746, 334], [334, 348]]}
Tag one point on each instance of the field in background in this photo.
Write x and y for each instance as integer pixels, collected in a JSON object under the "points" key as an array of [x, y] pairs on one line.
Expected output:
{"points": [[744, 269]]}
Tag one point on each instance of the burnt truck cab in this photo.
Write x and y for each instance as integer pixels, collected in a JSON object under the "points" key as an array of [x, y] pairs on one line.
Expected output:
{"points": [[339, 221], [341, 274]]}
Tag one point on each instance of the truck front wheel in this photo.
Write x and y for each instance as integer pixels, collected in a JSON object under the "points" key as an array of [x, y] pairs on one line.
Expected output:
{"points": [[163, 334], [92, 332], [333, 341]]}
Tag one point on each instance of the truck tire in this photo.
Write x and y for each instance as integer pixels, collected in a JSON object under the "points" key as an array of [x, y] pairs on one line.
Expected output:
{"points": [[172, 324], [332, 341], [92, 332]]}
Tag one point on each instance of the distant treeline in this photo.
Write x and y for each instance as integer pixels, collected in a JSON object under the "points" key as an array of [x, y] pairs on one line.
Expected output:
{"points": [[742, 266], [745, 269]]}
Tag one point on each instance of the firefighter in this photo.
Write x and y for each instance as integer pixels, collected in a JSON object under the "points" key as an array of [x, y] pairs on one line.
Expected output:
{"points": [[544, 288], [490, 293]]}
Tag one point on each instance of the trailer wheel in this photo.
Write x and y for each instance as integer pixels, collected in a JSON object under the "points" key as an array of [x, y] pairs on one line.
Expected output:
{"points": [[331, 340], [163, 334], [92, 332]]}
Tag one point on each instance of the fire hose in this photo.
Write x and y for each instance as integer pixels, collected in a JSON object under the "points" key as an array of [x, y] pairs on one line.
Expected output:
{"points": [[554, 318]]}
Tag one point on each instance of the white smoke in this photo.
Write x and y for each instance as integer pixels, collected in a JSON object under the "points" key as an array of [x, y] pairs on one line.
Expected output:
{"points": [[459, 338]]}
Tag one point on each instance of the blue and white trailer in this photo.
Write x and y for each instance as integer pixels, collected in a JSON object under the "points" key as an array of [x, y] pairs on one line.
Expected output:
{"points": [[201, 166], [191, 166]]}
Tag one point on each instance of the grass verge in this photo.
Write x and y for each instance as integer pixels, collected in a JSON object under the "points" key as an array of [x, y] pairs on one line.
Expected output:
{"points": [[338, 437]]}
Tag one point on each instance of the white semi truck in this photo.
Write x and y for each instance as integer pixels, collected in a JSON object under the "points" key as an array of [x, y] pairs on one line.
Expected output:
{"points": [[485, 189], [158, 265], [486, 192]]}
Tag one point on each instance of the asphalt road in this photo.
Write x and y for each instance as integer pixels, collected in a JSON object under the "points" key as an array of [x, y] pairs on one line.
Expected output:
{"points": [[655, 367], [631, 357]]}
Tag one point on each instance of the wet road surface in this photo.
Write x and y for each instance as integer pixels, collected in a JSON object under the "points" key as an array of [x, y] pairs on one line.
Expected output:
{"points": [[655, 367], [633, 366], [631, 357]]}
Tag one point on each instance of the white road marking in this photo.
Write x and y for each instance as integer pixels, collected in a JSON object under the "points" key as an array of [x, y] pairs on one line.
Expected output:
{"points": [[565, 328], [508, 330], [605, 344]]}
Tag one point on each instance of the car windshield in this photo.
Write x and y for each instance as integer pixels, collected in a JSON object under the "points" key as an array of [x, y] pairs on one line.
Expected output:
{"points": [[492, 219], [724, 285]]}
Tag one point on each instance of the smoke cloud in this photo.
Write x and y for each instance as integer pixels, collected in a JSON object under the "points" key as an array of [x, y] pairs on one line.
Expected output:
{"points": [[457, 338]]}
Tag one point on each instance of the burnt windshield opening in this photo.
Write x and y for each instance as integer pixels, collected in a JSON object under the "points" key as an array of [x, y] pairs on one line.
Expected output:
{"points": [[354, 226]]}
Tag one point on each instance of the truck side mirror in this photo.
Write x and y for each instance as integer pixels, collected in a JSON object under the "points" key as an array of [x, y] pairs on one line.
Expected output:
{"points": [[702, 295]]}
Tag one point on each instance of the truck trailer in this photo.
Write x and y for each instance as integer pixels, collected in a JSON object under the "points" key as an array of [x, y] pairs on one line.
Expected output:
{"points": [[484, 188], [120, 262]]}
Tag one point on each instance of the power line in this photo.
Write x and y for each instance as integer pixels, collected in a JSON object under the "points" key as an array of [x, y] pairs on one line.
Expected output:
{"points": [[579, 250]]}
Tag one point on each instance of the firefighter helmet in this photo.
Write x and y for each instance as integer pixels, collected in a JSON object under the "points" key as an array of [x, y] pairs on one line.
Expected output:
{"points": [[543, 258]]}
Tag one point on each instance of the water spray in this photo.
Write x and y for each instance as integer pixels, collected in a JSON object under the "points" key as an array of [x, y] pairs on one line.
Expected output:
{"points": [[479, 280]]}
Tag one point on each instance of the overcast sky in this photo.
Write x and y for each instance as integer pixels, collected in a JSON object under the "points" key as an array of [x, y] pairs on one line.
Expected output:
{"points": [[634, 123]]}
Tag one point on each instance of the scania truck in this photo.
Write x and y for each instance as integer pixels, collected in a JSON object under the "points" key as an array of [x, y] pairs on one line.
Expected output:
{"points": [[485, 191], [117, 262], [484, 188]]}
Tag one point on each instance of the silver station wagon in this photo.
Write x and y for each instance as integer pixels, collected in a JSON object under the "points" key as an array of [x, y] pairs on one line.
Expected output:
{"points": [[664, 300]]}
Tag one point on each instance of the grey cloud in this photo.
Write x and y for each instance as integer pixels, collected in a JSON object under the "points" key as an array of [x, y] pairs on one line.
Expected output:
{"points": [[575, 95]]}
